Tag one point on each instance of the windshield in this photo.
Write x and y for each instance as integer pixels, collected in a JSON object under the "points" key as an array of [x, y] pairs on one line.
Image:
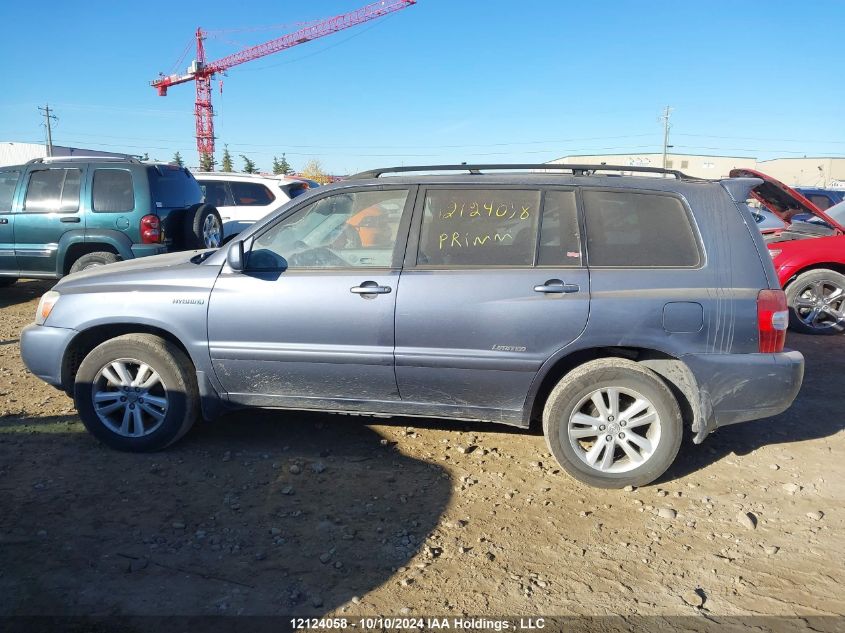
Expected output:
{"points": [[837, 212]]}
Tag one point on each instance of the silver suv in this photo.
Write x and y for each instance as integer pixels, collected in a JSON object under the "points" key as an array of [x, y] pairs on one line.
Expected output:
{"points": [[620, 310]]}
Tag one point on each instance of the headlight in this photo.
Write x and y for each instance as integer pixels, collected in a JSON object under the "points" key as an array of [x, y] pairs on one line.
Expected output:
{"points": [[45, 306]]}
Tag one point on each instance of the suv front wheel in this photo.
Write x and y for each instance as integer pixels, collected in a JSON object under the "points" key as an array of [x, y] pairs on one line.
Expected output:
{"points": [[612, 423], [136, 393]]}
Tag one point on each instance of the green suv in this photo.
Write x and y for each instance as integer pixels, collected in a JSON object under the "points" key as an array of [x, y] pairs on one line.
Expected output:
{"points": [[63, 215]]}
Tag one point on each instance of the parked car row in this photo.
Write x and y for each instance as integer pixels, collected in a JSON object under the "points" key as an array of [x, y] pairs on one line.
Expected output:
{"points": [[808, 254], [62, 215], [620, 312]]}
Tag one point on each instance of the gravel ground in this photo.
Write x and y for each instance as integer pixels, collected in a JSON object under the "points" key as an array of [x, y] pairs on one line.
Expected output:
{"points": [[279, 513]]}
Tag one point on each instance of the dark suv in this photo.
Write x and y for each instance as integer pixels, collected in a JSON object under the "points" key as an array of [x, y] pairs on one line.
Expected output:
{"points": [[62, 215], [621, 311]]}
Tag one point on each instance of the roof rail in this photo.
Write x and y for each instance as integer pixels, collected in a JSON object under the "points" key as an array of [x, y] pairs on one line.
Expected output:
{"points": [[577, 170], [57, 159]]}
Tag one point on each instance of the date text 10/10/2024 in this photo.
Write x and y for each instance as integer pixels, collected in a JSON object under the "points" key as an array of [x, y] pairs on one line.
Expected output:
{"points": [[421, 623]]}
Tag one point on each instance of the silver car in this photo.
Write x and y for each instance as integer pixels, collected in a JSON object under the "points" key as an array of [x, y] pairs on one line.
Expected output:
{"points": [[619, 312]]}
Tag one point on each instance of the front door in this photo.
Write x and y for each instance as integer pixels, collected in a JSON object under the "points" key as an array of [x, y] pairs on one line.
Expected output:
{"points": [[50, 208], [309, 322], [483, 302], [8, 182]]}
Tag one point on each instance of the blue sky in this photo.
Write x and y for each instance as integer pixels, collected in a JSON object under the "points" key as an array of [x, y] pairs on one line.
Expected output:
{"points": [[441, 81]]}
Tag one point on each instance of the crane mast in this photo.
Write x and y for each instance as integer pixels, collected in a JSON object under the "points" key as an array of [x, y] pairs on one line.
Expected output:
{"points": [[202, 72]]}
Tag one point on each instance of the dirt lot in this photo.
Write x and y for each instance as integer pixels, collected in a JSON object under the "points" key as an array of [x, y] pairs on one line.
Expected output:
{"points": [[279, 513]]}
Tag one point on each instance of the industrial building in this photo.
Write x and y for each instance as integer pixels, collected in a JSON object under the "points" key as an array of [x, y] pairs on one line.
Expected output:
{"points": [[13, 153], [805, 171]]}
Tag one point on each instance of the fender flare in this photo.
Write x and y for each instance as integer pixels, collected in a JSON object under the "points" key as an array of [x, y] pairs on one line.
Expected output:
{"points": [[118, 240]]}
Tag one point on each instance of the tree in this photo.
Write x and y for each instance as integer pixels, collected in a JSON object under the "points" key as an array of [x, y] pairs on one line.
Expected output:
{"points": [[227, 165], [207, 162], [281, 167], [177, 159], [314, 170], [249, 166], [145, 157]]}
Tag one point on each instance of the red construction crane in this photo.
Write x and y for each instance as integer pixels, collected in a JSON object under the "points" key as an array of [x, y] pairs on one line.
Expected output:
{"points": [[202, 72]]}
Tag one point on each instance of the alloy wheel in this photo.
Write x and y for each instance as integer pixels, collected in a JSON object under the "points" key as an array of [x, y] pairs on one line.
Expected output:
{"points": [[821, 305], [130, 398], [614, 429], [211, 231]]}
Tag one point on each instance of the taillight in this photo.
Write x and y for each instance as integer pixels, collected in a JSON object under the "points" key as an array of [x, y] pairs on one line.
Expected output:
{"points": [[150, 229], [772, 320]]}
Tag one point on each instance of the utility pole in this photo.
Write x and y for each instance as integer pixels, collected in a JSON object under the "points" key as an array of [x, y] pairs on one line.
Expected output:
{"points": [[667, 112], [47, 120]]}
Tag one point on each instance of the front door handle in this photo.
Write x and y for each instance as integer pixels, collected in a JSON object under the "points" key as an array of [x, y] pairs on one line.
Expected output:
{"points": [[556, 286], [370, 288], [70, 218]]}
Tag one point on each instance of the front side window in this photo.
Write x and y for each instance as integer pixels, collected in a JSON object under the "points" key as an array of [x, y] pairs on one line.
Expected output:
{"points": [[8, 182], [113, 190], [251, 194], [638, 230], [479, 227], [53, 190], [344, 230]]}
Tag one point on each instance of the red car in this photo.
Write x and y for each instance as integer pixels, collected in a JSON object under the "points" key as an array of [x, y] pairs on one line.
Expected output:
{"points": [[809, 256]]}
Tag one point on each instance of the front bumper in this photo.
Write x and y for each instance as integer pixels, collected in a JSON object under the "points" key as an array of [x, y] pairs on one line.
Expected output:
{"points": [[741, 387], [43, 349]]}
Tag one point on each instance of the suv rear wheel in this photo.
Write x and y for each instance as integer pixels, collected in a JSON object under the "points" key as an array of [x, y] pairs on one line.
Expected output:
{"points": [[817, 302], [136, 393], [612, 423], [203, 227], [92, 260]]}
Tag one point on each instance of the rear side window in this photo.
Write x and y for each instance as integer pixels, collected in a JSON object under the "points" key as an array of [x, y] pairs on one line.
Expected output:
{"points": [[638, 229], [822, 202], [560, 240], [113, 190], [251, 194], [53, 190], [479, 227], [8, 181]]}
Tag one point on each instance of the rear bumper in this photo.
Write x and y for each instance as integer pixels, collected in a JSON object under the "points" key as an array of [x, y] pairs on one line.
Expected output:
{"points": [[146, 250], [741, 387], [42, 351]]}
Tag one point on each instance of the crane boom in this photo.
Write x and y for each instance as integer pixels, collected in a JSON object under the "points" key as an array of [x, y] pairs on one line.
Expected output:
{"points": [[202, 72]]}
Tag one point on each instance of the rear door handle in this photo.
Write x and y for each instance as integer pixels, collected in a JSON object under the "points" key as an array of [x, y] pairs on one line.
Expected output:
{"points": [[4, 220], [556, 286], [70, 219], [370, 288]]}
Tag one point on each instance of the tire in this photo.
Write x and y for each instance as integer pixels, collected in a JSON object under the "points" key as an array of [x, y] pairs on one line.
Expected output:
{"points": [[160, 425], [5, 282], [821, 288], [573, 394], [203, 227], [92, 260]]}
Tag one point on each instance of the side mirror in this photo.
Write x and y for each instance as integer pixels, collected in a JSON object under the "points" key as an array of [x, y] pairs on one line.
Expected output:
{"points": [[235, 256]]}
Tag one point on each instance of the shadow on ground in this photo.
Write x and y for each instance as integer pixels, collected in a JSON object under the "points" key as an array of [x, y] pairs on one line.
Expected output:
{"points": [[261, 513], [23, 291]]}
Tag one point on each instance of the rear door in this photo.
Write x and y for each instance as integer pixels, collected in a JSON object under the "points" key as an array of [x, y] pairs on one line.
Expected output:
{"points": [[8, 183], [487, 295], [50, 208]]}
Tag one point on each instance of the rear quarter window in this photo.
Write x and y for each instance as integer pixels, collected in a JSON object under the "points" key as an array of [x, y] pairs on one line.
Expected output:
{"points": [[627, 229], [113, 191], [250, 194]]}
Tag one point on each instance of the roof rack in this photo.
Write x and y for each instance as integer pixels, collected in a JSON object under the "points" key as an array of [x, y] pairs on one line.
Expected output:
{"points": [[577, 170], [56, 159]]}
